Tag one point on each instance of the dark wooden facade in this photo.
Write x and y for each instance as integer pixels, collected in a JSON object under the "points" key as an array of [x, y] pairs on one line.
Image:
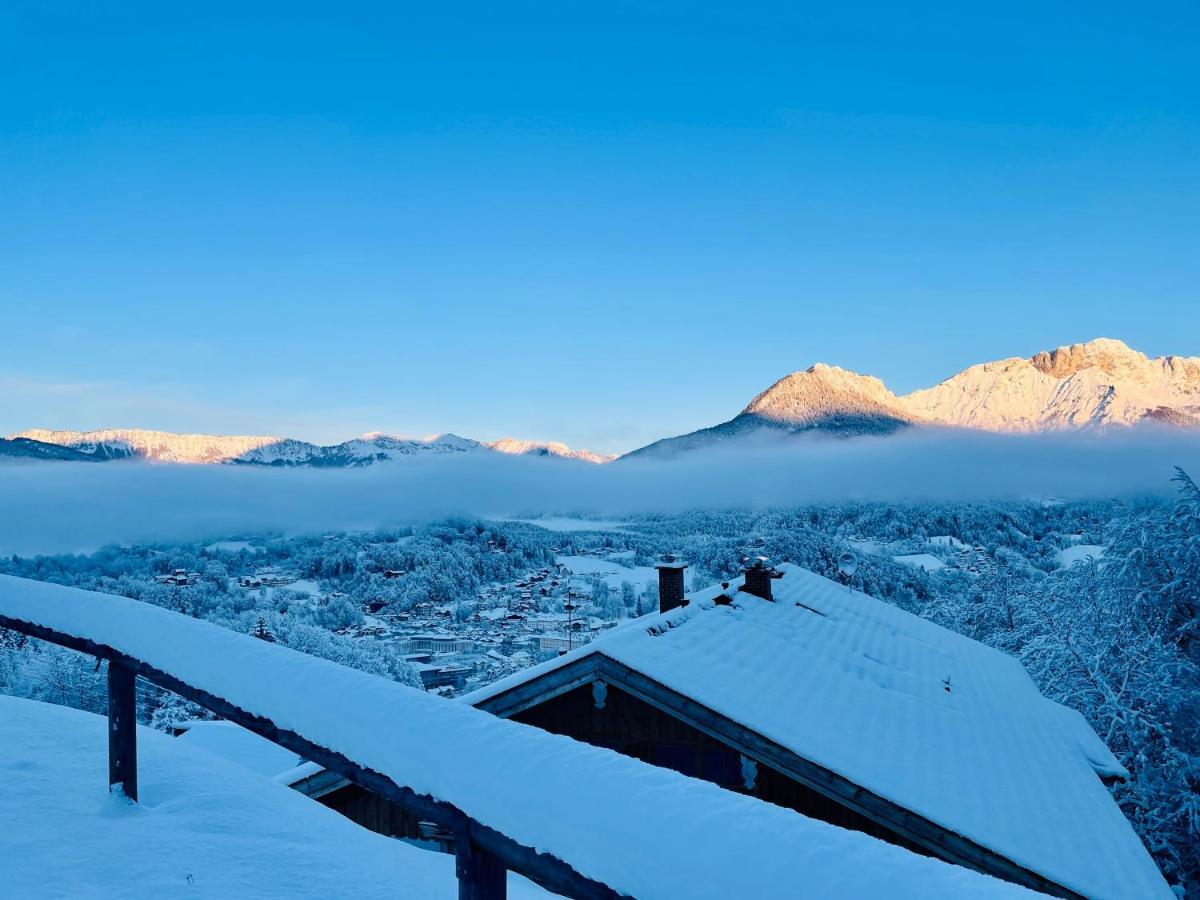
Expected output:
{"points": [[383, 816]]}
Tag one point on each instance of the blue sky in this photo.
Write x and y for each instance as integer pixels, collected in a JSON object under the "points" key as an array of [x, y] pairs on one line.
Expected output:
{"points": [[598, 223]]}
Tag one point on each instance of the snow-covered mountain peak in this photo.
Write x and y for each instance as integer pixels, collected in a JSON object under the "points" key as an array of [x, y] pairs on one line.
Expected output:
{"points": [[163, 446], [821, 399], [1106, 354], [443, 442], [809, 396], [517, 447]]}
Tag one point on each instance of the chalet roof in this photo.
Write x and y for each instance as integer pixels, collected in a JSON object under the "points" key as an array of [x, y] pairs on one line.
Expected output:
{"points": [[932, 721]]}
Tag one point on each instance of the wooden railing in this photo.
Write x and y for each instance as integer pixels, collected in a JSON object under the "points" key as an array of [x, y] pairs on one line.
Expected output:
{"points": [[483, 854]]}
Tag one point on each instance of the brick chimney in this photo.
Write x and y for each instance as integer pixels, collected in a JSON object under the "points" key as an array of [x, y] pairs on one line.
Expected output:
{"points": [[670, 582], [758, 578]]}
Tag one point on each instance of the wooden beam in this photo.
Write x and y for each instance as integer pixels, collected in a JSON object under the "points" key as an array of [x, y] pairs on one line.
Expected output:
{"points": [[319, 784], [552, 873], [122, 730], [481, 875], [534, 693]]}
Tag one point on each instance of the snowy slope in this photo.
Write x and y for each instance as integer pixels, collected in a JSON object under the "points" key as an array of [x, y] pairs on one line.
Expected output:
{"points": [[205, 828], [612, 572], [645, 831], [238, 745]]}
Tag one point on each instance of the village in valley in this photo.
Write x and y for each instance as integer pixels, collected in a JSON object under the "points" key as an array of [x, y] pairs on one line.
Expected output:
{"points": [[514, 624], [532, 592], [470, 641]]}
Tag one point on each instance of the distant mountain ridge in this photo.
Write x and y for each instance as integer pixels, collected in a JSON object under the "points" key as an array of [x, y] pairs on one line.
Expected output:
{"points": [[1098, 384], [27, 448], [1101, 383], [263, 450]]}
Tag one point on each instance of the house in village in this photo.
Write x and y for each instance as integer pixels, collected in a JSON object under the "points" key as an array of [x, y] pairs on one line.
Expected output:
{"points": [[178, 577], [799, 691]]}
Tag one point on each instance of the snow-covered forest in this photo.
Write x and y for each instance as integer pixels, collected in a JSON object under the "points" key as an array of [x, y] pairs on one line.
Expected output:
{"points": [[1099, 600]]}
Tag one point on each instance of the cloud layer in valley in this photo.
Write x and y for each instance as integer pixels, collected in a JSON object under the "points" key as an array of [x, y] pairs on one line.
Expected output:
{"points": [[65, 507]]}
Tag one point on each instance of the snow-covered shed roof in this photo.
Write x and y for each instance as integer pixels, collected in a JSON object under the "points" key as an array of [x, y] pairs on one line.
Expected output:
{"points": [[238, 745], [642, 830], [934, 722]]}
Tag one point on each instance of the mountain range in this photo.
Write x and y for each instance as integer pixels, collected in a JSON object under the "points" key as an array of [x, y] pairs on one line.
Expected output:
{"points": [[1100, 384], [263, 450], [1096, 385]]}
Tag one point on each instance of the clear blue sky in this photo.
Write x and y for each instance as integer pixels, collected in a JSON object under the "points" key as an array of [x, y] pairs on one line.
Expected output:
{"points": [[600, 223]]}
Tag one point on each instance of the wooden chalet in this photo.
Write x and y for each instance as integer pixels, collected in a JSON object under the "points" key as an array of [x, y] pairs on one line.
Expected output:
{"points": [[803, 693]]}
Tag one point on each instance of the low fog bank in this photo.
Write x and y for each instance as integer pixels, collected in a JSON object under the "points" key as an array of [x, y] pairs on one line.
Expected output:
{"points": [[67, 507]]}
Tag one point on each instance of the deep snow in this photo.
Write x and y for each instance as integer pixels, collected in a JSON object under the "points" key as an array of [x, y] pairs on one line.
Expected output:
{"points": [[205, 828]]}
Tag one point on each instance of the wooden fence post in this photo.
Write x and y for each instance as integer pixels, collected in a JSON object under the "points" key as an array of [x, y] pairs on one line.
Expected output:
{"points": [[481, 875], [122, 730]]}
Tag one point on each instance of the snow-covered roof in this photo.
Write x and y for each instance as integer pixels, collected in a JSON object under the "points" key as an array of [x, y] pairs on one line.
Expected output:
{"points": [[645, 831], [932, 721], [238, 745], [205, 828]]}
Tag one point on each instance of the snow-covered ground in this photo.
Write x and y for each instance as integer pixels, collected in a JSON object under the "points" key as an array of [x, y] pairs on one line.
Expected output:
{"points": [[613, 572], [946, 540], [866, 546], [238, 745], [926, 561], [1079, 553], [205, 828], [304, 586]]}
